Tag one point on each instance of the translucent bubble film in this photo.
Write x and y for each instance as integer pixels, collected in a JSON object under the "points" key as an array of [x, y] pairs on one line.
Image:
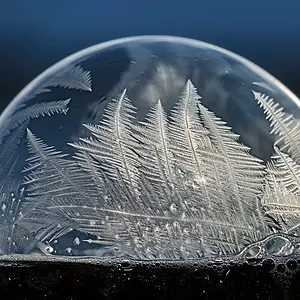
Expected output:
{"points": [[151, 148]]}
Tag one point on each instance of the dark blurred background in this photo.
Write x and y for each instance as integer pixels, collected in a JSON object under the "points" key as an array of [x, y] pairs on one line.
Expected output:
{"points": [[35, 34]]}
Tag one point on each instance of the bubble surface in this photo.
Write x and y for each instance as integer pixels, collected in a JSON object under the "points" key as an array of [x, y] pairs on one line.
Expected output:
{"points": [[151, 147]]}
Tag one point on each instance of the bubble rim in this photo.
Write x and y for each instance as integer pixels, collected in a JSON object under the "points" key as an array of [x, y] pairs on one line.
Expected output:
{"points": [[143, 38]]}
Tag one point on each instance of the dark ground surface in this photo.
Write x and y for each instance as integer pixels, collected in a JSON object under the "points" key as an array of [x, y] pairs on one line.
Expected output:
{"points": [[226, 279]]}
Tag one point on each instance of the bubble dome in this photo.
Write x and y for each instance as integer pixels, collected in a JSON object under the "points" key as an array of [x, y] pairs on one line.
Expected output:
{"points": [[151, 147]]}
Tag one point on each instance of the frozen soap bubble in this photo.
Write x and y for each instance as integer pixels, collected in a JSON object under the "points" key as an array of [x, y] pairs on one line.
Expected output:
{"points": [[151, 147]]}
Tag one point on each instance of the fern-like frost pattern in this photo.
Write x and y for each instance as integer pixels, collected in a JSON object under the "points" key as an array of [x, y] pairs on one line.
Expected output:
{"points": [[281, 200], [157, 183], [71, 77], [176, 185], [15, 236]]}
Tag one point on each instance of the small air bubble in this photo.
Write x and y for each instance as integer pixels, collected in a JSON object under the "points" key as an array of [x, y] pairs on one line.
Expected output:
{"points": [[292, 264], [281, 268], [279, 246], [125, 263], [76, 241], [69, 250], [49, 249], [173, 208], [269, 264]]}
